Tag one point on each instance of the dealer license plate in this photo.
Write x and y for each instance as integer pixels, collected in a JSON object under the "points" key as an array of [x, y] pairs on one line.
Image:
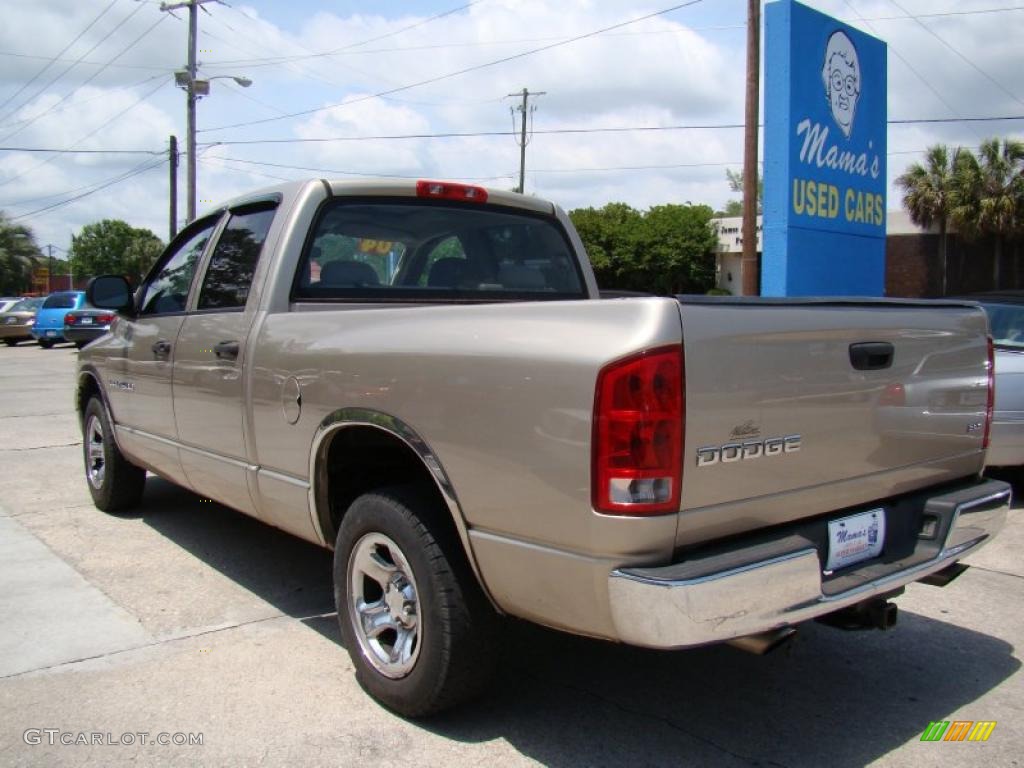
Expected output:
{"points": [[855, 538], [51, 333], [86, 321]]}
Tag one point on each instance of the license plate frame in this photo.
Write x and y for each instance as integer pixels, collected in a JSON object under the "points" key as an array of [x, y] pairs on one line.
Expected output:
{"points": [[855, 538], [86, 321]]}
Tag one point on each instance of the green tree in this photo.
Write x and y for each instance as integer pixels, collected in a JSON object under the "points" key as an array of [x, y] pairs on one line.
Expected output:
{"points": [[929, 194], [667, 249], [113, 246], [989, 195], [18, 255]]}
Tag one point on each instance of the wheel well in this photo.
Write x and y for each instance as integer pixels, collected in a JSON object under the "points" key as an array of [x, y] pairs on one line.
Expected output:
{"points": [[87, 389], [361, 459]]}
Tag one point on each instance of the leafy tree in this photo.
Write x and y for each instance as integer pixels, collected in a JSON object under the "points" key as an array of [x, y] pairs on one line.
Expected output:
{"points": [[667, 249], [929, 193], [989, 195], [18, 255], [113, 246]]}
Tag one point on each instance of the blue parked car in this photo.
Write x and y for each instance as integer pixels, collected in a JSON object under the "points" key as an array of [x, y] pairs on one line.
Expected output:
{"points": [[48, 328]]}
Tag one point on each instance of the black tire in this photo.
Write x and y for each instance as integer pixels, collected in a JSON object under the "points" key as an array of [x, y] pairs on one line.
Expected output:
{"points": [[80, 344], [10, 342], [45, 344], [455, 625], [114, 482]]}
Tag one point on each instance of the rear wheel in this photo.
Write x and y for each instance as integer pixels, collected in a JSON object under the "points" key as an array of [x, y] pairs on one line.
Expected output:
{"points": [[45, 343], [10, 342], [114, 482], [415, 622]]}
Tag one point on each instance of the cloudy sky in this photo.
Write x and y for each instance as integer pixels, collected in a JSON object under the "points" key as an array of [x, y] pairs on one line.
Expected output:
{"points": [[98, 75]]}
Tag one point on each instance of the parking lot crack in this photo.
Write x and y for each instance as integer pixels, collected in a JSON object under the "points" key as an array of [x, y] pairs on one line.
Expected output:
{"points": [[997, 572], [157, 643], [41, 447]]}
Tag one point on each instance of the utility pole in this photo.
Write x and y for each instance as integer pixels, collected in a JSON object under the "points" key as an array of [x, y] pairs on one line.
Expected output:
{"points": [[172, 157], [751, 278], [523, 109], [187, 80], [49, 272]]}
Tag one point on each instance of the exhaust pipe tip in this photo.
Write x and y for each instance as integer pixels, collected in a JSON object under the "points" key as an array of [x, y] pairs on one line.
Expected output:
{"points": [[763, 642]]}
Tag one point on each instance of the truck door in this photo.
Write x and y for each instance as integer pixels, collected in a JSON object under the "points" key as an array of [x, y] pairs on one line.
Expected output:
{"points": [[209, 385], [141, 396]]}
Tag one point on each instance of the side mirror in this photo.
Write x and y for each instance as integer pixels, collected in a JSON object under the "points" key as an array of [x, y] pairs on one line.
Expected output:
{"points": [[111, 292]]}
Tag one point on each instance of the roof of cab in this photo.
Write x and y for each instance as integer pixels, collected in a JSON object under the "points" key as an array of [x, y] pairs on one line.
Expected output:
{"points": [[381, 188]]}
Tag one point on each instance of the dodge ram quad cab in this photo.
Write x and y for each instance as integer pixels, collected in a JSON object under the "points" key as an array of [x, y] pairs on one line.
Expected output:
{"points": [[424, 377]]}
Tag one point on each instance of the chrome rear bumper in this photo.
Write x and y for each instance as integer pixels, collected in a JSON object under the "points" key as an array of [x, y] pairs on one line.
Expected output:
{"points": [[652, 607]]}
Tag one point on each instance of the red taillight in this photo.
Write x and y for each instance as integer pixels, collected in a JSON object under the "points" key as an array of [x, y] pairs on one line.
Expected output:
{"points": [[69, 319], [638, 434], [104, 319], [991, 404], [893, 394], [446, 190]]}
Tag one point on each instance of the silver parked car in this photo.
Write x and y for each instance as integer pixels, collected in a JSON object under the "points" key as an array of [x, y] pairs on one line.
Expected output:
{"points": [[1006, 317]]}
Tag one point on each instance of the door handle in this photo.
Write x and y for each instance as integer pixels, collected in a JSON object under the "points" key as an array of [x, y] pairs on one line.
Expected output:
{"points": [[162, 348], [871, 355], [226, 350]]}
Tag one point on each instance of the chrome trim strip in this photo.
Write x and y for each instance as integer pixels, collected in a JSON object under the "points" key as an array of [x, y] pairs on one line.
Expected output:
{"points": [[281, 477], [777, 592], [364, 417], [238, 464]]}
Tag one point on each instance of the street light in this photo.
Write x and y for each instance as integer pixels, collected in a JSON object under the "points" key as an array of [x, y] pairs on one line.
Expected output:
{"points": [[195, 88]]}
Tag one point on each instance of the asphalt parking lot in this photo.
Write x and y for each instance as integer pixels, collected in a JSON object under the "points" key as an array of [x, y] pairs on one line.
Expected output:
{"points": [[186, 618]]}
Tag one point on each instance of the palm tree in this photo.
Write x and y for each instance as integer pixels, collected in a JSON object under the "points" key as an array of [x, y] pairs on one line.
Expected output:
{"points": [[18, 254], [990, 195], [928, 194]]}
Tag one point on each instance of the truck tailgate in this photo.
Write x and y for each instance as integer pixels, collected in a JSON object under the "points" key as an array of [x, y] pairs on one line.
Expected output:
{"points": [[796, 408]]}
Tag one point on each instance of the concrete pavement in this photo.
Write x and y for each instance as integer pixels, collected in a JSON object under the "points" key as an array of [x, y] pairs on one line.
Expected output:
{"points": [[186, 618]]}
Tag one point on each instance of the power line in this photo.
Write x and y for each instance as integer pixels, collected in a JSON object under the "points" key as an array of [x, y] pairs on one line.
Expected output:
{"points": [[88, 63], [88, 80], [84, 151], [148, 166], [978, 69], [91, 133], [466, 70], [105, 94], [53, 60], [75, 63], [270, 61], [555, 131]]}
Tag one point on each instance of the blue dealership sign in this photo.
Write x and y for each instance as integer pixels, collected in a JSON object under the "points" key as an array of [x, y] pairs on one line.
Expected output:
{"points": [[824, 156]]}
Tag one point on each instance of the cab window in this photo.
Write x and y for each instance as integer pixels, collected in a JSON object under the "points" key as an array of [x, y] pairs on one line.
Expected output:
{"points": [[167, 291], [233, 264]]}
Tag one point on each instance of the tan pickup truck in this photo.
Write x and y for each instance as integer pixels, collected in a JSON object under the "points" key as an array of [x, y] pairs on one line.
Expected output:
{"points": [[424, 377]]}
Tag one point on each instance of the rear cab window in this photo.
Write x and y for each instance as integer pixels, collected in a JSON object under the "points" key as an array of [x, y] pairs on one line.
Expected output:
{"points": [[406, 250], [62, 301]]}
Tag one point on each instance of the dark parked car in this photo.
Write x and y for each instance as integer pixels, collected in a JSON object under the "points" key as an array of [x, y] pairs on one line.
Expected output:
{"points": [[84, 325], [16, 322]]}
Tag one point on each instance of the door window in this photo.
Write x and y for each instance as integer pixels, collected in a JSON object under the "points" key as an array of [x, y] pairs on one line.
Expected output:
{"points": [[168, 291], [233, 264]]}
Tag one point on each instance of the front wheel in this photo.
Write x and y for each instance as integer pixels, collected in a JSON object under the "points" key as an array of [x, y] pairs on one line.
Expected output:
{"points": [[416, 625], [114, 482]]}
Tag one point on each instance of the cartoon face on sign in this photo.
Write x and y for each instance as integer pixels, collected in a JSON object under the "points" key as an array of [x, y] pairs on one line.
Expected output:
{"points": [[841, 75]]}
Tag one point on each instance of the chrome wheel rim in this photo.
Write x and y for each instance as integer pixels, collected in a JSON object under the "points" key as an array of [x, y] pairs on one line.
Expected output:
{"points": [[384, 605], [95, 453]]}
